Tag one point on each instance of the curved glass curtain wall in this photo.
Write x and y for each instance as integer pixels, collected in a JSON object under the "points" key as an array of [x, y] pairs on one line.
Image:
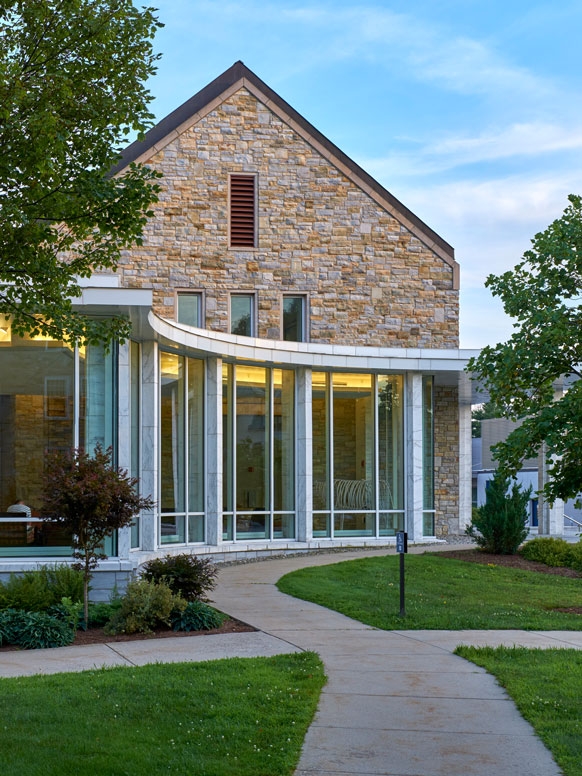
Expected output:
{"points": [[181, 449], [258, 453], [358, 454], [52, 397]]}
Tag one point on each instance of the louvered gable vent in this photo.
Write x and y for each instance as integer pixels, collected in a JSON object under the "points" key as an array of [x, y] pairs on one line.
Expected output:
{"points": [[242, 211]]}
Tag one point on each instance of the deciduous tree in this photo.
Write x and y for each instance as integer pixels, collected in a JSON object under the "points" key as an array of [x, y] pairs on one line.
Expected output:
{"points": [[543, 294], [72, 93], [91, 498]]}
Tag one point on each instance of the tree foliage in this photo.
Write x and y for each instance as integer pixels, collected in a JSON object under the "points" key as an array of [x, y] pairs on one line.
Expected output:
{"points": [[91, 498], [542, 293], [482, 412], [499, 525], [72, 75]]}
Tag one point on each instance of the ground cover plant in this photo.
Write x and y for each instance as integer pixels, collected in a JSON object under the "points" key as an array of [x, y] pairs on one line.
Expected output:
{"points": [[244, 717], [441, 594], [546, 686]]}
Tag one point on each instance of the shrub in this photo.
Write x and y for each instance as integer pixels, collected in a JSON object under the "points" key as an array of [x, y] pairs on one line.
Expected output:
{"points": [[499, 525], [198, 616], [36, 591], [64, 581], [551, 551], [144, 607], [185, 575], [33, 630], [28, 591], [68, 611], [554, 552], [100, 613]]}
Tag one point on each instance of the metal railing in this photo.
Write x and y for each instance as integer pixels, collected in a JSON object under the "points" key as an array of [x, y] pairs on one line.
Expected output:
{"points": [[571, 520]]}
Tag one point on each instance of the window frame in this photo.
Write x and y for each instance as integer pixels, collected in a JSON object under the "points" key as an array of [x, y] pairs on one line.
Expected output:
{"points": [[304, 315], [180, 292], [252, 295]]}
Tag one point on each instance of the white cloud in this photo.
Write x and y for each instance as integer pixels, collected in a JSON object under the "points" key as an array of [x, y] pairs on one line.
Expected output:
{"points": [[450, 151]]}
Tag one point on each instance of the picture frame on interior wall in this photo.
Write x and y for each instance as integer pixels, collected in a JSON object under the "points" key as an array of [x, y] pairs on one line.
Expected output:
{"points": [[56, 398], [242, 211]]}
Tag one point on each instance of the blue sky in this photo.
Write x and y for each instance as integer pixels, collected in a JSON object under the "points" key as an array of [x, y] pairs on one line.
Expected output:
{"points": [[469, 112]]}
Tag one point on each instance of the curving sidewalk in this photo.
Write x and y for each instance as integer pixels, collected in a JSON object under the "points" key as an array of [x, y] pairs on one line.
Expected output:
{"points": [[397, 703]]}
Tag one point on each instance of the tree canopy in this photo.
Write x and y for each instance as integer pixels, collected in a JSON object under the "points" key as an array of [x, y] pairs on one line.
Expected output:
{"points": [[72, 94], [534, 376], [91, 498]]}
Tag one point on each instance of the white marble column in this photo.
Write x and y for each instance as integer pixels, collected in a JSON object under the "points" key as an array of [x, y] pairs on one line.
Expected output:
{"points": [[150, 443], [465, 453], [550, 515], [413, 453], [124, 435], [214, 451], [304, 491]]}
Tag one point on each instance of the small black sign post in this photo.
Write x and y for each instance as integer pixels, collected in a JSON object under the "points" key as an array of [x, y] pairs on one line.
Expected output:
{"points": [[401, 549]]}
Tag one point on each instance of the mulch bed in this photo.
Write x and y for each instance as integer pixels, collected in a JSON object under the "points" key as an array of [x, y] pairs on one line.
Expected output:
{"points": [[98, 636], [510, 561]]}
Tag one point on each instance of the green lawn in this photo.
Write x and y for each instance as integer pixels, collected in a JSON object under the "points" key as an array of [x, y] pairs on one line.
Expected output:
{"points": [[238, 717], [546, 686], [441, 594]]}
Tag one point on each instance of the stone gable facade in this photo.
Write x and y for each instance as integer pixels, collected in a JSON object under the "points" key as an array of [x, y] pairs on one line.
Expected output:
{"points": [[368, 279], [251, 444]]}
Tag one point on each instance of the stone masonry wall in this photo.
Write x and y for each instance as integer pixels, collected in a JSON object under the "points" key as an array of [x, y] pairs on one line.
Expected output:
{"points": [[369, 281], [446, 432]]}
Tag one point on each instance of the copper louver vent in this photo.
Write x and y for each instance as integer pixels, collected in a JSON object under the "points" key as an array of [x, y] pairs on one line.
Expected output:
{"points": [[242, 211]]}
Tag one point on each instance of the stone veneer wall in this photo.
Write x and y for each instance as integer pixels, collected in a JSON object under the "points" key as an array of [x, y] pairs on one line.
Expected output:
{"points": [[446, 464], [368, 279]]}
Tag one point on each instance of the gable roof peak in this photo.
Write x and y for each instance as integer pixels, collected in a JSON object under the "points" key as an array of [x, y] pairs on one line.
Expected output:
{"points": [[238, 72]]}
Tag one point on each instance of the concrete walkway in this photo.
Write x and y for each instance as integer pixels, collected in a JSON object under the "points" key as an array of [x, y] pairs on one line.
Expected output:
{"points": [[396, 703]]}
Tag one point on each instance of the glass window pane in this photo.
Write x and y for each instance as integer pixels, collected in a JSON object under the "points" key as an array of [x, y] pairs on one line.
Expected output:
{"points": [[391, 441], [241, 314], [353, 442], [320, 442], [284, 526], [227, 442], [294, 318], [135, 410], [172, 434], [252, 439], [252, 526], [36, 411], [354, 524], [190, 309], [196, 528], [284, 440], [172, 529], [96, 371], [195, 435]]}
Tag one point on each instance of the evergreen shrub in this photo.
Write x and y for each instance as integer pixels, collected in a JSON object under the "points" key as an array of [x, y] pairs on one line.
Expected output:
{"points": [[499, 526]]}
